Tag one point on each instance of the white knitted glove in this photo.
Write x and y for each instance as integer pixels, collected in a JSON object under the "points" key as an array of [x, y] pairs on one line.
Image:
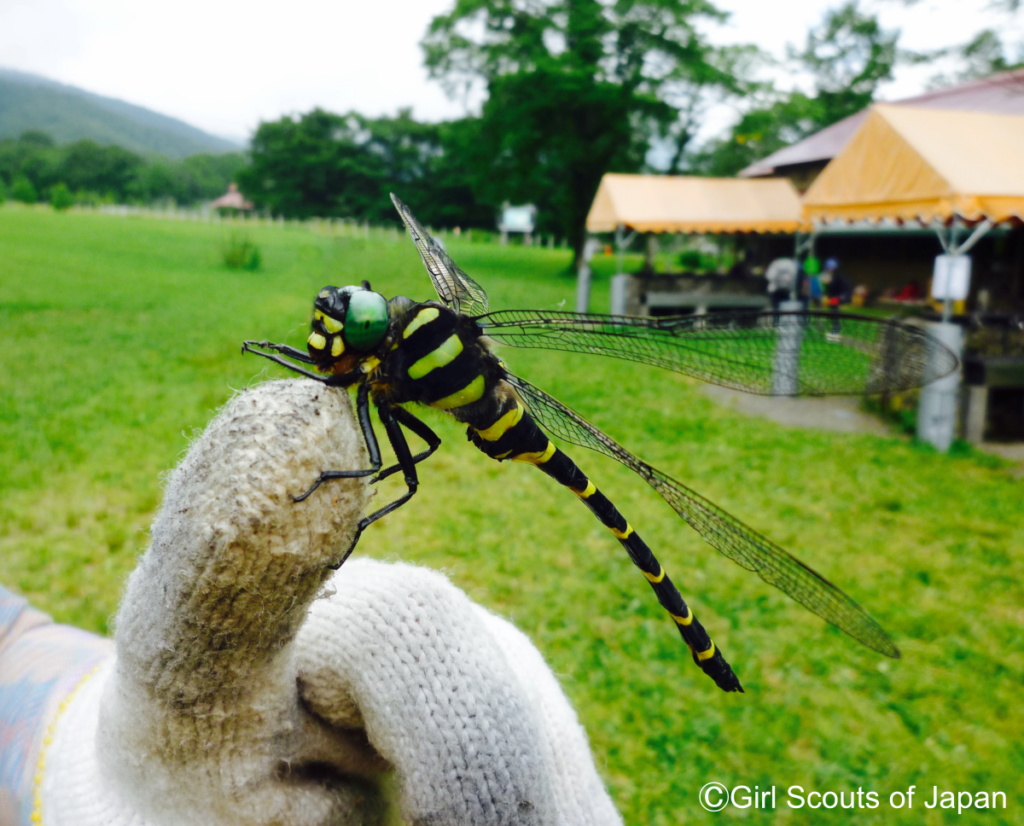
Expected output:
{"points": [[238, 697]]}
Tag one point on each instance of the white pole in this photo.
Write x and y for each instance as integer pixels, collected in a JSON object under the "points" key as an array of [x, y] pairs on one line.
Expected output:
{"points": [[583, 275]]}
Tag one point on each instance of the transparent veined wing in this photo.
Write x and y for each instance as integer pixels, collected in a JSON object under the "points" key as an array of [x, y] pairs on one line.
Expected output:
{"points": [[770, 353], [456, 289], [740, 543]]}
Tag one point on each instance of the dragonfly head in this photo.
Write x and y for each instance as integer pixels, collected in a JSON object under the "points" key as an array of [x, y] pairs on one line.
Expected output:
{"points": [[347, 321]]}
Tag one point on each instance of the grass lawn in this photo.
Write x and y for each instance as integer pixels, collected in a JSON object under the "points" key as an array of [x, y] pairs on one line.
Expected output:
{"points": [[121, 338]]}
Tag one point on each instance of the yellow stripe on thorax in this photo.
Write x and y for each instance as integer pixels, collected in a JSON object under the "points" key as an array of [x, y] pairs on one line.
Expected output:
{"points": [[472, 392], [623, 534], [538, 457], [424, 316], [446, 353], [503, 425]]}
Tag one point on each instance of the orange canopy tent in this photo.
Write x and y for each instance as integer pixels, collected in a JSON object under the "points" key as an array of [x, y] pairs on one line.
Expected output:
{"points": [[925, 164], [683, 204]]}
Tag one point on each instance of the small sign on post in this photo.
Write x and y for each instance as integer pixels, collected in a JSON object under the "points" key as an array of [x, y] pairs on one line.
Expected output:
{"points": [[951, 278], [521, 219]]}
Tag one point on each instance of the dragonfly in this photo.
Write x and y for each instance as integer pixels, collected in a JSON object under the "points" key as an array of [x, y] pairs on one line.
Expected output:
{"points": [[400, 353]]}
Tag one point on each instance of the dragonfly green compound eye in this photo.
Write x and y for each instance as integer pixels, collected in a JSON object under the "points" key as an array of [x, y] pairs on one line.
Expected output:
{"points": [[366, 320]]}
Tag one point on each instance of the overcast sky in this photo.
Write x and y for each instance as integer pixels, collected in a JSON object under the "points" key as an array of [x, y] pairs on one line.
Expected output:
{"points": [[225, 65]]}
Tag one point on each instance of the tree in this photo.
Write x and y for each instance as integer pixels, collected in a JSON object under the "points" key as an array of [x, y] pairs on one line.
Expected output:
{"points": [[36, 137], [848, 56], [23, 190], [31, 156], [757, 134], [90, 166], [323, 164], [98, 173], [987, 53], [576, 88]]}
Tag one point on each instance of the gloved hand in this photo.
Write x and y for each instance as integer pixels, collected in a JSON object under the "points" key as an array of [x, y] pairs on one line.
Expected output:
{"points": [[237, 696]]}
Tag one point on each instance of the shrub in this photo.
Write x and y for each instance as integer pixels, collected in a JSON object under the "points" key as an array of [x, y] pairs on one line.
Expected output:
{"points": [[61, 197], [23, 190], [239, 253], [3, 192], [696, 261]]}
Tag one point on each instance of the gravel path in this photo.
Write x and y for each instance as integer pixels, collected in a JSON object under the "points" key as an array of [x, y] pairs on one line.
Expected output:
{"points": [[842, 414]]}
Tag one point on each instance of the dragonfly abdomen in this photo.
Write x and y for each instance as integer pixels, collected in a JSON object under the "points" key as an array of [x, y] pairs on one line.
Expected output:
{"points": [[513, 434]]}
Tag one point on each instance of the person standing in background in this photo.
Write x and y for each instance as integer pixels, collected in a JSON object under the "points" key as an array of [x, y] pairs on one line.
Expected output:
{"points": [[781, 276], [810, 282], [837, 289]]}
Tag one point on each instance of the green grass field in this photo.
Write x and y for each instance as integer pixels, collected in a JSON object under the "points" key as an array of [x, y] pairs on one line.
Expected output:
{"points": [[121, 339]]}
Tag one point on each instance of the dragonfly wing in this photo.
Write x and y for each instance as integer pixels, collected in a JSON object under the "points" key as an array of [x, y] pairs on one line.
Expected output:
{"points": [[740, 543], [774, 354], [456, 289]]}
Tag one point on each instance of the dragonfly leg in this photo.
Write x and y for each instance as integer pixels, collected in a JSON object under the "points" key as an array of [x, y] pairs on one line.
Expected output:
{"points": [[406, 462], [250, 347], [363, 412], [337, 380], [283, 349], [420, 428]]}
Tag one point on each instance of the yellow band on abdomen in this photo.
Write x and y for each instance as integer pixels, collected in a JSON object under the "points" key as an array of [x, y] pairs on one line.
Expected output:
{"points": [[536, 458], [503, 425], [684, 620], [655, 578], [587, 492]]}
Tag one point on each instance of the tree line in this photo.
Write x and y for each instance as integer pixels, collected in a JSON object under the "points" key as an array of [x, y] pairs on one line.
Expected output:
{"points": [[573, 89], [34, 168]]}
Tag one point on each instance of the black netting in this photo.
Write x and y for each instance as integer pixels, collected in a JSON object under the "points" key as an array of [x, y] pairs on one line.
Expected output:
{"points": [[780, 354]]}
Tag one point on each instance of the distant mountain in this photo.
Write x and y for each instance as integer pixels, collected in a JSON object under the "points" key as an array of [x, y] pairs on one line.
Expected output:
{"points": [[67, 114]]}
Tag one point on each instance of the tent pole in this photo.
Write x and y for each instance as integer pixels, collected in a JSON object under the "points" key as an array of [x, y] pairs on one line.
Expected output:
{"points": [[583, 275], [620, 248], [980, 232], [950, 248]]}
